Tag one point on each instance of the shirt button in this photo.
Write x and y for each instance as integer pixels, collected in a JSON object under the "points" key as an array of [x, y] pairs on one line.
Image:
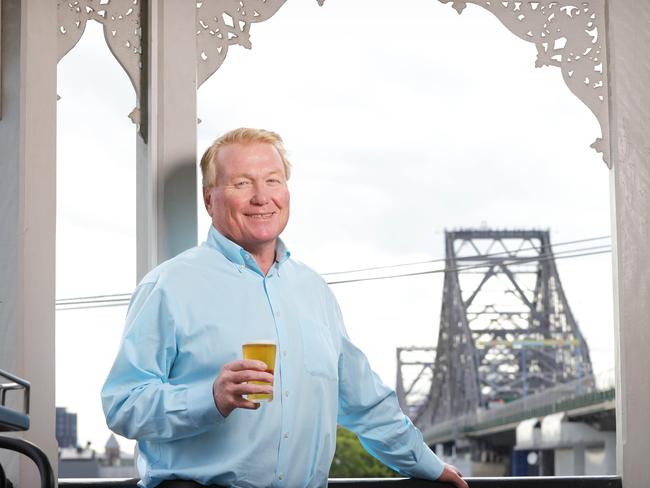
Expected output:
{"points": [[286, 393], [286, 435], [281, 476], [284, 353], [241, 268], [278, 314]]}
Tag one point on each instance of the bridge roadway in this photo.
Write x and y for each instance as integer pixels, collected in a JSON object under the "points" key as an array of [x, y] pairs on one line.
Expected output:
{"points": [[579, 401]]}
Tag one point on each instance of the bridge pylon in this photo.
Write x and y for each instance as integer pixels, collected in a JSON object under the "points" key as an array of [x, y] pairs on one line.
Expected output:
{"points": [[506, 328]]}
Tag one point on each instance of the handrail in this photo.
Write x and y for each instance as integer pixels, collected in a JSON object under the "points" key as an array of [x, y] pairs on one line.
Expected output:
{"points": [[16, 384], [514, 482]]}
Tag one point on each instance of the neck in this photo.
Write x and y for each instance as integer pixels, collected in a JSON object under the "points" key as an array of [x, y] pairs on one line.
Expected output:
{"points": [[264, 256]]}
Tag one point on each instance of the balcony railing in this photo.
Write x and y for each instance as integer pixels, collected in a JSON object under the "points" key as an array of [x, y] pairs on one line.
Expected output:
{"points": [[10, 422], [518, 482]]}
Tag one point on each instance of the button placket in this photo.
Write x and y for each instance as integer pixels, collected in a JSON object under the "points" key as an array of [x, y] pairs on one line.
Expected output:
{"points": [[270, 286]]}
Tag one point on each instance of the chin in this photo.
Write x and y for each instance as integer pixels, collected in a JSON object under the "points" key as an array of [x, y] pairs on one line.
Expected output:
{"points": [[264, 238], [266, 233]]}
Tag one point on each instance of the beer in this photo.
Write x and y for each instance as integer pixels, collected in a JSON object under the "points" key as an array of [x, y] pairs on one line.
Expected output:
{"points": [[261, 351]]}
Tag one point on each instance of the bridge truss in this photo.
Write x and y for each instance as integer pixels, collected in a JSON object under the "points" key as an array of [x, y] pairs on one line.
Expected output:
{"points": [[506, 328]]}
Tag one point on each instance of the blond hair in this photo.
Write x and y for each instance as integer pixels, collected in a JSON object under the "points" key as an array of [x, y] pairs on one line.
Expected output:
{"points": [[243, 135]]}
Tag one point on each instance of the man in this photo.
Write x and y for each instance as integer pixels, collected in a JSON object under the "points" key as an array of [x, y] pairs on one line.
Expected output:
{"points": [[178, 385]]}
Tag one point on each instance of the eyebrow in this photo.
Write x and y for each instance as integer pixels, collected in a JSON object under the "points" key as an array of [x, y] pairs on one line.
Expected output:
{"points": [[251, 177]]}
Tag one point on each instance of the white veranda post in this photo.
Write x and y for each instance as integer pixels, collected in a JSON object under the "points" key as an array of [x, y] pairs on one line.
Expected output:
{"points": [[27, 216], [629, 79], [168, 48]]}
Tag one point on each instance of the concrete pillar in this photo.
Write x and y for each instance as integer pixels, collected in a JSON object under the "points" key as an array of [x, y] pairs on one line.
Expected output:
{"points": [[579, 460], [628, 38], [28, 216], [166, 144]]}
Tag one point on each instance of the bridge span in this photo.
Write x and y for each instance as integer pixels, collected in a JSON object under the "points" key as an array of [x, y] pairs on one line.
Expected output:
{"points": [[578, 401], [509, 388]]}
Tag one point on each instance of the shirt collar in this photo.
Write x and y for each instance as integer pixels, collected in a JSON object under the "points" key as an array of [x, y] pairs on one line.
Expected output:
{"points": [[237, 254]]}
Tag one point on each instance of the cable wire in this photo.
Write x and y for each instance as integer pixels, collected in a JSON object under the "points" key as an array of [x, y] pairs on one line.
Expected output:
{"points": [[442, 260], [100, 301], [465, 268], [126, 296]]}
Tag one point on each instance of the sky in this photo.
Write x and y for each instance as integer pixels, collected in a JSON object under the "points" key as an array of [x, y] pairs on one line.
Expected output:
{"points": [[400, 124]]}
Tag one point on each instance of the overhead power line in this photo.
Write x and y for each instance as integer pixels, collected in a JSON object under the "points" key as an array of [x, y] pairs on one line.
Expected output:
{"points": [[94, 298], [442, 260], [122, 299], [460, 269]]}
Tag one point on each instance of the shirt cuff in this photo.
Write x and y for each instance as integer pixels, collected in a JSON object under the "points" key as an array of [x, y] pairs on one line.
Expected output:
{"points": [[200, 405], [429, 466]]}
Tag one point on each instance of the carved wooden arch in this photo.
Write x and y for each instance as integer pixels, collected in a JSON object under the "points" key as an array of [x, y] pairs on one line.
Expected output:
{"points": [[568, 34]]}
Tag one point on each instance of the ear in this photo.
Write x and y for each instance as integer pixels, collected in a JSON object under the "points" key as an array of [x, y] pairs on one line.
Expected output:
{"points": [[207, 199]]}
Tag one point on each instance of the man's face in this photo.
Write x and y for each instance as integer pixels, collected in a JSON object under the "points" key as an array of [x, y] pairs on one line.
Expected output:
{"points": [[249, 202]]}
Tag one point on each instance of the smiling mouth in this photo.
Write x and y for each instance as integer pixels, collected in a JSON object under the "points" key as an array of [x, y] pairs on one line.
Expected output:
{"points": [[260, 216]]}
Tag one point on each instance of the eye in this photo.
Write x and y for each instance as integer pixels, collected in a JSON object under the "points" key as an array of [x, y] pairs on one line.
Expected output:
{"points": [[273, 181], [241, 183]]}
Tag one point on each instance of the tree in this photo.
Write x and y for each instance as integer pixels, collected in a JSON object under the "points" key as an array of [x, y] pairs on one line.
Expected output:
{"points": [[351, 460]]}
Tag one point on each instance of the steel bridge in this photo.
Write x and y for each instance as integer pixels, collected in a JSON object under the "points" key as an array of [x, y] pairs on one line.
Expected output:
{"points": [[509, 348]]}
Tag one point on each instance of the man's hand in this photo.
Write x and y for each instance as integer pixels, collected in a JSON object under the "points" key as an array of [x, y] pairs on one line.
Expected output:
{"points": [[451, 475], [230, 385]]}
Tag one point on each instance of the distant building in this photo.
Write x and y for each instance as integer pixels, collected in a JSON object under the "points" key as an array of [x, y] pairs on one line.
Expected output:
{"points": [[78, 462], [66, 428], [112, 451], [87, 463]]}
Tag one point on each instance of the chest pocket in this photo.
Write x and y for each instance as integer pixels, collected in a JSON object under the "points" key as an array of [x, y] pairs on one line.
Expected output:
{"points": [[319, 355]]}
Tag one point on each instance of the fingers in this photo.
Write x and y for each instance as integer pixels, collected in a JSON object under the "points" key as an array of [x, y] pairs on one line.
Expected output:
{"points": [[246, 404], [457, 471], [461, 483], [250, 375], [238, 378], [245, 364], [451, 474], [249, 388]]}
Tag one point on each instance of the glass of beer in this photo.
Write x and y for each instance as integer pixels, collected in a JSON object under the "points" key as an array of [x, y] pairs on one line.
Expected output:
{"points": [[261, 351]]}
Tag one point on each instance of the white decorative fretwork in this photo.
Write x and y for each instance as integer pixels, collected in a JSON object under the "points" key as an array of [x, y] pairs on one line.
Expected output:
{"points": [[122, 30], [222, 23], [568, 34]]}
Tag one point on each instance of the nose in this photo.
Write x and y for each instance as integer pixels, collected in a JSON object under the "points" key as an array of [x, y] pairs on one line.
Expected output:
{"points": [[260, 195]]}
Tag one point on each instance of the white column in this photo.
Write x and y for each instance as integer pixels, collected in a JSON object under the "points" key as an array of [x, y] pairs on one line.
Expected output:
{"points": [[628, 38], [28, 215], [166, 176]]}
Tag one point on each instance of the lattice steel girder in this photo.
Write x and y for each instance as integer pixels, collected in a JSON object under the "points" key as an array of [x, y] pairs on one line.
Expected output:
{"points": [[506, 328], [415, 370]]}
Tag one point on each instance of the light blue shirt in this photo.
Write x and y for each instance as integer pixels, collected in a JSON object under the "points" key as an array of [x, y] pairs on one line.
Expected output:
{"points": [[189, 317]]}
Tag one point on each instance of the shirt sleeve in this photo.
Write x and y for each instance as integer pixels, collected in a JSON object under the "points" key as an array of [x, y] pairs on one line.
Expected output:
{"points": [[370, 409], [139, 399]]}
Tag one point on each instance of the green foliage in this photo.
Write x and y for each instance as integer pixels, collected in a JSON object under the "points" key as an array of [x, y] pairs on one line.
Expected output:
{"points": [[351, 460]]}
